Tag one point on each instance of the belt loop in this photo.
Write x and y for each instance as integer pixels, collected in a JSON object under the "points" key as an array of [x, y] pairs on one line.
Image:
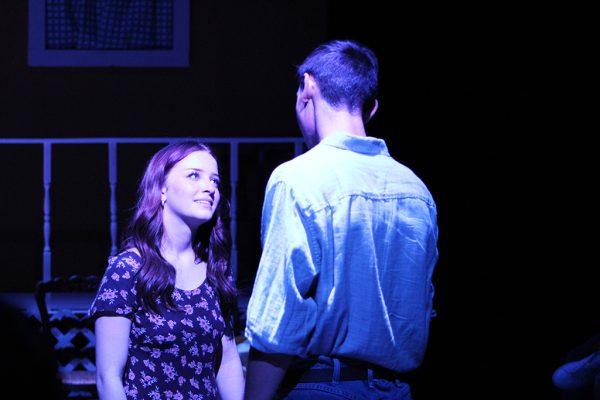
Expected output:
{"points": [[370, 378], [336, 371]]}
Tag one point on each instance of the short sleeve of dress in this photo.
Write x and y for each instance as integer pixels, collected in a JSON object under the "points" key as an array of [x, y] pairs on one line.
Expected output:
{"points": [[116, 294]]}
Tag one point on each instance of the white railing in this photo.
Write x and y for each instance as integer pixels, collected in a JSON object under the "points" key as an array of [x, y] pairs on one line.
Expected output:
{"points": [[112, 143]]}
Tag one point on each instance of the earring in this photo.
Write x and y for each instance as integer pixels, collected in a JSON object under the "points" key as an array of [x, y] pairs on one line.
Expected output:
{"points": [[162, 202]]}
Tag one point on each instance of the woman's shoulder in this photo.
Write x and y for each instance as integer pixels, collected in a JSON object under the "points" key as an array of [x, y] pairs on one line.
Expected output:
{"points": [[129, 259], [116, 295]]}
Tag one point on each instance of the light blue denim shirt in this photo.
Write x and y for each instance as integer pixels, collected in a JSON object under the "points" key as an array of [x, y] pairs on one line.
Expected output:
{"points": [[349, 240]]}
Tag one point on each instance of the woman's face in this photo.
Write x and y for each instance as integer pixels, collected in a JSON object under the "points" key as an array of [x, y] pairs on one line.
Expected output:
{"points": [[191, 191]]}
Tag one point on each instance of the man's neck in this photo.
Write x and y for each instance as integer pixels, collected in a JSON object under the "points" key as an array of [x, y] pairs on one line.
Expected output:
{"points": [[340, 122]]}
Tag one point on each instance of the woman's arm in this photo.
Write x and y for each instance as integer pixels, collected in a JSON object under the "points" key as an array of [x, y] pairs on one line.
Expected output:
{"points": [[230, 378], [112, 343]]}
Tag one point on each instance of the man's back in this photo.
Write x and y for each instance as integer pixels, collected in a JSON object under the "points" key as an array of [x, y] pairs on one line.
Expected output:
{"points": [[363, 279], [349, 246]]}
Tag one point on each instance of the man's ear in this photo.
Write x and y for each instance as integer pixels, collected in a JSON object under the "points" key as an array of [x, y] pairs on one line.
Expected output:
{"points": [[309, 87], [370, 110]]}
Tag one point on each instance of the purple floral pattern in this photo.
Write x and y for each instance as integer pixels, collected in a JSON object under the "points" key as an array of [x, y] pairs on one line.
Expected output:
{"points": [[172, 355]]}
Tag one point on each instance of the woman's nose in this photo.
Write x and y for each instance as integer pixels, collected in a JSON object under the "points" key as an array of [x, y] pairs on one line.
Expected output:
{"points": [[208, 185]]}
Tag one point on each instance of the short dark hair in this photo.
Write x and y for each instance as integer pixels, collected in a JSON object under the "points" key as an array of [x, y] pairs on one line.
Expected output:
{"points": [[346, 72]]}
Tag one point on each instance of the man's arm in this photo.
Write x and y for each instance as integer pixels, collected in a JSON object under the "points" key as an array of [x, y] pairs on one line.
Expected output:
{"points": [[264, 373]]}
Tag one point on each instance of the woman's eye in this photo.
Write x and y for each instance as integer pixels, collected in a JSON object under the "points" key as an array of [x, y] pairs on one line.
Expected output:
{"points": [[194, 175], [215, 181]]}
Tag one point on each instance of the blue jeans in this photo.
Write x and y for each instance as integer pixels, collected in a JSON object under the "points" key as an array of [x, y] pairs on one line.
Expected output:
{"points": [[369, 389]]}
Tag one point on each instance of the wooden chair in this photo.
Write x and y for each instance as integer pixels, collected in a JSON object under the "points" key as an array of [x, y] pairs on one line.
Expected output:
{"points": [[71, 333]]}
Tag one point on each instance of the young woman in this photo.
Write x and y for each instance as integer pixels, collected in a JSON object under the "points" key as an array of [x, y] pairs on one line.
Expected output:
{"points": [[164, 310]]}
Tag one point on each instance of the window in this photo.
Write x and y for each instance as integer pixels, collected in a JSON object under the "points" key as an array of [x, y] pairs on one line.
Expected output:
{"points": [[106, 33]]}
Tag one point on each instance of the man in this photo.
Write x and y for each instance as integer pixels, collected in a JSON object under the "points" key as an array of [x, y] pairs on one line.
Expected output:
{"points": [[342, 300]]}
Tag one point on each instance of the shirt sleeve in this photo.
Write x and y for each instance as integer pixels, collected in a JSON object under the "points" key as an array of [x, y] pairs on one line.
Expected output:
{"points": [[281, 313], [116, 294]]}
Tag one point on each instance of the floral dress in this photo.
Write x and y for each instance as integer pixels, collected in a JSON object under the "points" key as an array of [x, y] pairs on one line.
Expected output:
{"points": [[171, 355]]}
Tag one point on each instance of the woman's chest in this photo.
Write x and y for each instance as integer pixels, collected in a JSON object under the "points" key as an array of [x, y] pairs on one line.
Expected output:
{"points": [[197, 320]]}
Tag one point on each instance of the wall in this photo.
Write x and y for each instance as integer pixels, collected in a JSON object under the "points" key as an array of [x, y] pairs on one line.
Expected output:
{"points": [[239, 83]]}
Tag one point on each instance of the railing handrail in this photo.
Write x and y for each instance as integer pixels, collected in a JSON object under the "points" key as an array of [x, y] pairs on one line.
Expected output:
{"points": [[112, 143], [161, 139]]}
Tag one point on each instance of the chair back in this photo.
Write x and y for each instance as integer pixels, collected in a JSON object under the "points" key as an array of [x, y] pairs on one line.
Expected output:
{"points": [[70, 332]]}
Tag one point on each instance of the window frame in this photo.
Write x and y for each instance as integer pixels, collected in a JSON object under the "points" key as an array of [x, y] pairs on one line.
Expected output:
{"points": [[40, 56]]}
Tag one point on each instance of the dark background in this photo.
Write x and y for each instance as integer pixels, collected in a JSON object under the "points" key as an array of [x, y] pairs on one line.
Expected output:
{"points": [[491, 106]]}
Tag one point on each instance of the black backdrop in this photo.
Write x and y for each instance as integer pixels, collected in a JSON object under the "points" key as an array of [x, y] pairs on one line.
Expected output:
{"points": [[492, 106]]}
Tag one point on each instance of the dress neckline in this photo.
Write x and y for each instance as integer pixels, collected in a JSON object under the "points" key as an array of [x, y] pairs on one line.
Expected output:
{"points": [[191, 290], [175, 287]]}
